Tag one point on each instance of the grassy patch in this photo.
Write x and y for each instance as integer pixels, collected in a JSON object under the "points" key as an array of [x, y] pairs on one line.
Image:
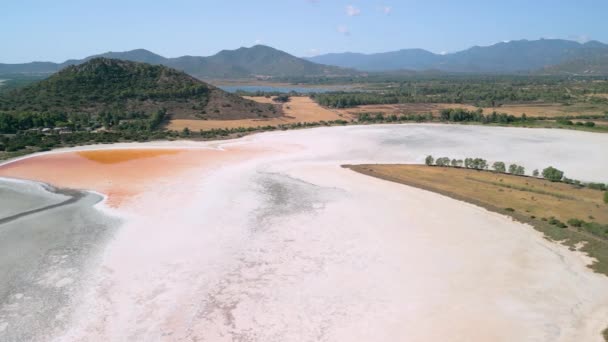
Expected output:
{"points": [[563, 212]]}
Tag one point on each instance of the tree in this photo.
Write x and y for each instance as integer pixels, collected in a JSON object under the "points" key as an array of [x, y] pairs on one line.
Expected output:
{"points": [[535, 173], [457, 162], [445, 161], [429, 160], [520, 171], [499, 167], [480, 164], [468, 163], [553, 174], [512, 168]]}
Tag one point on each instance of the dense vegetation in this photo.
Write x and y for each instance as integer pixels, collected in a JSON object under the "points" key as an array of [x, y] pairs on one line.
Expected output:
{"points": [[10, 82], [483, 91], [459, 115]]}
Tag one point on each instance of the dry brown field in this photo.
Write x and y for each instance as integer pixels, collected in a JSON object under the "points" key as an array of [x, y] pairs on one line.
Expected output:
{"points": [[403, 108], [536, 110], [298, 109], [534, 196]]}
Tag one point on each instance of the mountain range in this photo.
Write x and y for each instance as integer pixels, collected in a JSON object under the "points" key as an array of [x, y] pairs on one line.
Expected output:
{"points": [[257, 61], [544, 56], [554, 56]]}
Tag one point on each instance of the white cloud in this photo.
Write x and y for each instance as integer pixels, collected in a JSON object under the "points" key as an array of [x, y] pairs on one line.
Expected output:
{"points": [[581, 38], [443, 53], [352, 11], [344, 30], [387, 10], [313, 52], [258, 41]]}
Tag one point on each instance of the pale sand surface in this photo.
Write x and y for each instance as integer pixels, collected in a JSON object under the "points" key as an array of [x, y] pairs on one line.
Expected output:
{"points": [[266, 238]]}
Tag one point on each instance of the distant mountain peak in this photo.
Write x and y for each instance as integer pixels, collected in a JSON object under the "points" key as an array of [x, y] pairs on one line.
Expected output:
{"points": [[513, 56]]}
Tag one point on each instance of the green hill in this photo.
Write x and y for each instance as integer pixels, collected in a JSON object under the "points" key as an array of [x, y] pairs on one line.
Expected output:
{"points": [[109, 85]]}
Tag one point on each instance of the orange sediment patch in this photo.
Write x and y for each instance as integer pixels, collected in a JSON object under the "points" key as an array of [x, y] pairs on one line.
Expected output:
{"points": [[119, 156], [121, 174]]}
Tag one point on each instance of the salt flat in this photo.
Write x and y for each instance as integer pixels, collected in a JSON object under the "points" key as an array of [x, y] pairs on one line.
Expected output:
{"points": [[279, 243]]}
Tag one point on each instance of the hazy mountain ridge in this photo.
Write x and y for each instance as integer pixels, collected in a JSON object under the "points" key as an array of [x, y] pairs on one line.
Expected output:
{"points": [[521, 56], [258, 60], [505, 57]]}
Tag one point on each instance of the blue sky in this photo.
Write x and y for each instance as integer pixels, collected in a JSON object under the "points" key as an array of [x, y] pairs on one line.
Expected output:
{"points": [[61, 29]]}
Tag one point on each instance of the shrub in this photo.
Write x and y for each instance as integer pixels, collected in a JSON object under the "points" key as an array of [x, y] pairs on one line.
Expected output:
{"points": [[553, 174], [565, 122], [589, 124], [606, 197], [281, 99], [557, 223], [597, 186], [575, 222], [509, 209]]}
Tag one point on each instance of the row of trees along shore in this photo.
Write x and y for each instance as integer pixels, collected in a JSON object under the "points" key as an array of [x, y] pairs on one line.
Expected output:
{"points": [[477, 116], [550, 173]]}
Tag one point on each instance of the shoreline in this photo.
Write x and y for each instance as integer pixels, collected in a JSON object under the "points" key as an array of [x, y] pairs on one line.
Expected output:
{"points": [[540, 228], [240, 135], [299, 225]]}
